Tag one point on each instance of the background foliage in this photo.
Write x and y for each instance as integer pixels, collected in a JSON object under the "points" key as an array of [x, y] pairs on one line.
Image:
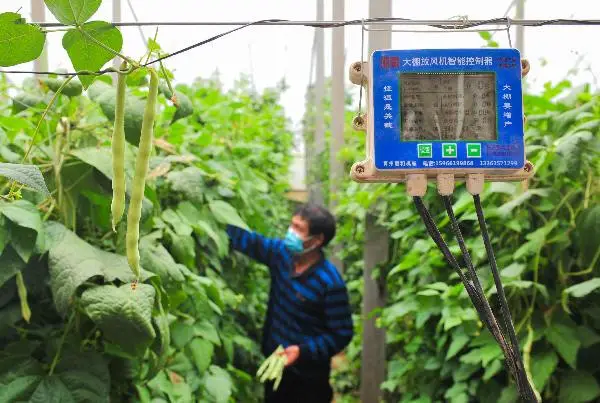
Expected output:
{"points": [[190, 331], [547, 241]]}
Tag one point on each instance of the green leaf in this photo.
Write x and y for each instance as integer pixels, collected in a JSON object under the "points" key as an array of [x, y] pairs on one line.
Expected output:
{"points": [[584, 288], [155, 258], [25, 230], [101, 159], [78, 377], [19, 42], [28, 175], [105, 96], [206, 330], [25, 100], [124, 315], [73, 12], [587, 336], [72, 262], [513, 270], [218, 384], [226, 213], [22, 213], [184, 108], [85, 53], [542, 367], [202, 352], [72, 89], [588, 234], [485, 35], [459, 340], [565, 341], [189, 182], [578, 387]]}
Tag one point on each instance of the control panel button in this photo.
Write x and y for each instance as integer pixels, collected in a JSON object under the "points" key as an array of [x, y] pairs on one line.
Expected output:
{"points": [[449, 150], [473, 150], [425, 150]]}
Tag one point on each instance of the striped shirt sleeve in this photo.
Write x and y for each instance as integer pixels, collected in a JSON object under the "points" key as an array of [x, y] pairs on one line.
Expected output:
{"points": [[339, 328], [255, 246]]}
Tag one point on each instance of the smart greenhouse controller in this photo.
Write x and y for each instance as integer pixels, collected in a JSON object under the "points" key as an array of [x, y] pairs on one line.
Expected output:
{"points": [[442, 110]]}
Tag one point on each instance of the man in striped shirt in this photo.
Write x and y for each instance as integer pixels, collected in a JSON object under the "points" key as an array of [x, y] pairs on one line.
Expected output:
{"points": [[308, 311]]}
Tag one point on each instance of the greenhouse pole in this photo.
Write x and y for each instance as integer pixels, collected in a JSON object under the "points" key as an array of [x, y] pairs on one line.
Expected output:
{"points": [[520, 14], [316, 186], [375, 252], [338, 95], [38, 14]]}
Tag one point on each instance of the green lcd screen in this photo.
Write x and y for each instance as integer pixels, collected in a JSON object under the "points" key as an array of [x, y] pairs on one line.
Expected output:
{"points": [[448, 106]]}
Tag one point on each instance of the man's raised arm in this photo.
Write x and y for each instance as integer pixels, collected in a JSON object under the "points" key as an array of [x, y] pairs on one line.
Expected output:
{"points": [[255, 246]]}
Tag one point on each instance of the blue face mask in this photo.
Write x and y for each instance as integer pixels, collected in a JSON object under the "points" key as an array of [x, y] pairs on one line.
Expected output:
{"points": [[294, 243]]}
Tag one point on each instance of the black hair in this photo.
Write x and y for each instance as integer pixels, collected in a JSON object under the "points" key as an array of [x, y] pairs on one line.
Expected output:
{"points": [[319, 219]]}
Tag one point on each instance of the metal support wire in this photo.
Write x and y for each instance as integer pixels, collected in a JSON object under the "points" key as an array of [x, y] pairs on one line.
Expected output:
{"points": [[442, 24]]}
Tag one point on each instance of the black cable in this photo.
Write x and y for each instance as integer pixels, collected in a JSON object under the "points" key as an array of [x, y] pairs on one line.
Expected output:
{"points": [[512, 355], [478, 299], [523, 384]]}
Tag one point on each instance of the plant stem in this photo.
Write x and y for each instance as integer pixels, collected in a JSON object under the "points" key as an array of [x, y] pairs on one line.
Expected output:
{"points": [[62, 343], [37, 129], [590, 268], [588, 189], [103, 46]]}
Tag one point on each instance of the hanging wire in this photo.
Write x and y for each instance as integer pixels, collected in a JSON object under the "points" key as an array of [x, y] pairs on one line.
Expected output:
{"points": [[442, 24], [508, 32], [160, 59], [362, 62]]}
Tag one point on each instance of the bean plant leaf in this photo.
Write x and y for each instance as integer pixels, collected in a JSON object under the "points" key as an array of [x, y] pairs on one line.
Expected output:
{"points": [[19, 42], [202, 352], [157, 259], [226, 213], [72, 262], [565, 341], [190, 182], [10, 265], [578, 387], [218, 384], [184, 107], [73, 12], [542, 367], [28, 175], [105, 95], [588, 234], [85, 53], [24, 101], [124, 315], [78, 377], [584, 288], [25, 227]]}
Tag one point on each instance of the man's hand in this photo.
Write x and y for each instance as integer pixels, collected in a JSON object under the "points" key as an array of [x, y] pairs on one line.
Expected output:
{"points": [[292, 353]]}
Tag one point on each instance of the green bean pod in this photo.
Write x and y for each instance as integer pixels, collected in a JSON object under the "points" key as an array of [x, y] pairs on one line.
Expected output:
{"points": [[139, 180], [279, 375], [117, 206]]}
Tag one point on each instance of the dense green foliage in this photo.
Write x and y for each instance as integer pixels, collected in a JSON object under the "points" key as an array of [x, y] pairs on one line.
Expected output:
{"points": [[190, 329], [74, 326], [547, 242]]}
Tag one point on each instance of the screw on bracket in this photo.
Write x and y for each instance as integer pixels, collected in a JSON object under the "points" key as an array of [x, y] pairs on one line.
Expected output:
{"points": [[360, 169], [528, 167]]}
